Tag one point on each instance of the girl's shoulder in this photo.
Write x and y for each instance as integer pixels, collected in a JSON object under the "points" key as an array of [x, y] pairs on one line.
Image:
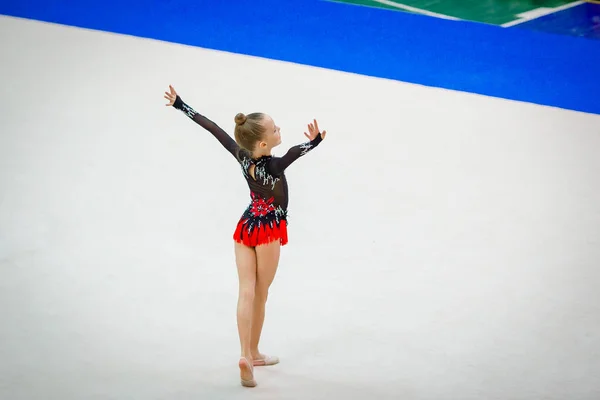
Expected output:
{"points": [[243, 156]]}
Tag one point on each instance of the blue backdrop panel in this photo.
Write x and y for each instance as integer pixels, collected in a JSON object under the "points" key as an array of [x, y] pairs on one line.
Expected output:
{"points": [[517, 64]]}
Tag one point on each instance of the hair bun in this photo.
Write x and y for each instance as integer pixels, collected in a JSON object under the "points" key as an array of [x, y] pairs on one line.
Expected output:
{"points": [[240, 118]]}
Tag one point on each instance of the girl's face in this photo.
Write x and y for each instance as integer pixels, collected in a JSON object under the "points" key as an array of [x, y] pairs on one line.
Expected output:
{"points": [[272, 136]]}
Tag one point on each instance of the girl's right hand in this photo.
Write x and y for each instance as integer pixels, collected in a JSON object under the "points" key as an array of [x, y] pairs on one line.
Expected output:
{"points": [[171, 96], [314, 131]]}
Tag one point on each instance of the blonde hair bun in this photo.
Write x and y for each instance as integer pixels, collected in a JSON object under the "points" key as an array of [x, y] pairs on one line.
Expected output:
{"points": [[240, 118], [249, 130]]}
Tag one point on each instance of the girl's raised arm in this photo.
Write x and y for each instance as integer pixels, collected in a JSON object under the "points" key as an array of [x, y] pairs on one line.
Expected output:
{"points": [[278, 164], [222, 136]]}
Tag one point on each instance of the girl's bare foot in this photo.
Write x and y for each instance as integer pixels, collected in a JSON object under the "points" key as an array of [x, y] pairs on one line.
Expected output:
{"points": [[246, 372], [262, 359]]}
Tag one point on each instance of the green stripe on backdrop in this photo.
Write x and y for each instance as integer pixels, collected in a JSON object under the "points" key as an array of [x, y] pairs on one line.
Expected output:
{"points": [[495, 12], [367, 3]]}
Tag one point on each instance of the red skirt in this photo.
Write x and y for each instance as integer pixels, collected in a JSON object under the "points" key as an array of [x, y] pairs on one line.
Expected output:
{"points": [[261, 223], [260, 233]]}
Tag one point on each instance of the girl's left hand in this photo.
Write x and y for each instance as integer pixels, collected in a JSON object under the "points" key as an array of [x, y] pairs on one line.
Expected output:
{"points": [[314, 131], [170, 96]]}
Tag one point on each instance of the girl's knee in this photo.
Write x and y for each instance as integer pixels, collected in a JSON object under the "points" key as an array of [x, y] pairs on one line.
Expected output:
{"points": [[247, 292], [261, 292]]}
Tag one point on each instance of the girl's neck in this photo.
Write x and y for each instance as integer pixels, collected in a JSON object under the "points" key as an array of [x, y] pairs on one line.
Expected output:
{"points": [[257, 155]]}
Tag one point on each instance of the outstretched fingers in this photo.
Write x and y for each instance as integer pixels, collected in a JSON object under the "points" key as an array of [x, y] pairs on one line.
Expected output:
{"points": [[309, 135], [171, 96], [316, 126], [313, 130], [317, 130]]}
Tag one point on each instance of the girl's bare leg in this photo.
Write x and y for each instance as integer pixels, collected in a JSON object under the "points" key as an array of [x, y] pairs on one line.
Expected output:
{"points": [[267, 258], [245, 258]]}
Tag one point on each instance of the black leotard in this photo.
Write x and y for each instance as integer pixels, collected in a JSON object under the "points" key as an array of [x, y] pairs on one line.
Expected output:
{"points": [[270, 183]]}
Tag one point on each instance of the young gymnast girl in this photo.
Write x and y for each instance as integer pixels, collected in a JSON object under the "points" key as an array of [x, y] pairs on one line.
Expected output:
{"points": [[262, 228]]}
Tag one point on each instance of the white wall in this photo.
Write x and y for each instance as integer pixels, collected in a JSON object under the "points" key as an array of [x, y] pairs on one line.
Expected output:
{"points": [[442, 245]]}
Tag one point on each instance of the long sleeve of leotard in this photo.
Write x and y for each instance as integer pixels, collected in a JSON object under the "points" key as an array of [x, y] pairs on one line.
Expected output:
{"points": [[222, 136], [278, 164]]}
